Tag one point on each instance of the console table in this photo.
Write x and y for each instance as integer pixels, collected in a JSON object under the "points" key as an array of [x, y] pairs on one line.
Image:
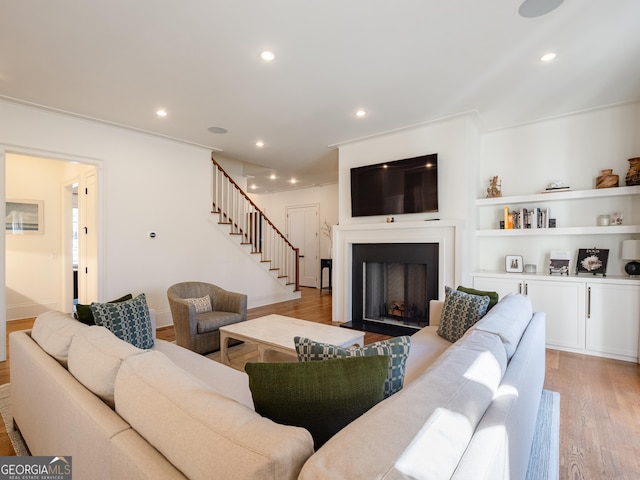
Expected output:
{"points": [[325, 263]]}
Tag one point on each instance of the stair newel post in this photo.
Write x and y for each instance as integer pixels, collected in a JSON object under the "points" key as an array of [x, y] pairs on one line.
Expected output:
{"points": [[297, 275]]}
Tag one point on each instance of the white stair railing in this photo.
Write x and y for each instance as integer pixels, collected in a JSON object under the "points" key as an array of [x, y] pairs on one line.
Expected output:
{"points": [[247, 220]]}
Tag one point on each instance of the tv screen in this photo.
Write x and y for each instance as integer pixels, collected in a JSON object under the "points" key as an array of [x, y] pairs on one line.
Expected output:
{"points": [[401, 186]]}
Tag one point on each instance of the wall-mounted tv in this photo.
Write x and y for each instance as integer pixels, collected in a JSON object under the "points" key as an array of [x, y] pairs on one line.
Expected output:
{"points": [[391, 188]]}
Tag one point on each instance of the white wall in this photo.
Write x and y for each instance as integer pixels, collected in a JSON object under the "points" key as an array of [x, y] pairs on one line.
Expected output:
{"points": [[146, 184], [274, 205]]}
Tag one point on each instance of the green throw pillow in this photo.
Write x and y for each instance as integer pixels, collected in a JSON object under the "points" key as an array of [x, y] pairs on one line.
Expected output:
{"points": [[397, 349], [85, 315], [459, 313], [128, 320], [493, 296], [322, 397]]}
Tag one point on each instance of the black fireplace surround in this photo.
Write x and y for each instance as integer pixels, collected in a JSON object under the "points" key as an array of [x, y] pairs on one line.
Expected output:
{"points": [[408, 255]]}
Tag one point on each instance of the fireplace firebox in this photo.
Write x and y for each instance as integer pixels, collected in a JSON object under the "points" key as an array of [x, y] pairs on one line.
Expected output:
{"points": [[392, 284]]}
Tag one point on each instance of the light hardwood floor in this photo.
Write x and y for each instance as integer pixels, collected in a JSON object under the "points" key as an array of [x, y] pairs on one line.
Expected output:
{"points": [[599, 399]]}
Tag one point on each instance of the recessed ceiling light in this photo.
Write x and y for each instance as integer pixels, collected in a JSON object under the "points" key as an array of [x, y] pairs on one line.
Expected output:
{"points": [[547, 57], [259, 144], [254, 186], [293, 181], [361, 113], [537, 8], [217, 130], [267, 56], [161, 113], [273, 176]]}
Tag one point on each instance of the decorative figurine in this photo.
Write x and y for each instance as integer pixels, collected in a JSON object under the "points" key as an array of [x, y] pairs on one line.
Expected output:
{"points": [[494, 189]]}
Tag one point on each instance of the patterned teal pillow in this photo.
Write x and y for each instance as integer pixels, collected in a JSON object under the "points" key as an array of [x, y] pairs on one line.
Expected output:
{"points": [[397, 349], [460, 312], [129, 320]]}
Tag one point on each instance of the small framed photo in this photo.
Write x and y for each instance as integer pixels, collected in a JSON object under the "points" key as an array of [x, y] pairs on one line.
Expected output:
{"points": [[592, 260], [24, 217], [559, 262], [513, 263]]}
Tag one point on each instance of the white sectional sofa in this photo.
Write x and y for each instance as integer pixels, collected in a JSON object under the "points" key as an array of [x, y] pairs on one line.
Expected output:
{"points": [[467, 410]]}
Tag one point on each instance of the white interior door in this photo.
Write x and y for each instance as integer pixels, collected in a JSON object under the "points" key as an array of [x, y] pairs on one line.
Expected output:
{"points": [[302, 232]]}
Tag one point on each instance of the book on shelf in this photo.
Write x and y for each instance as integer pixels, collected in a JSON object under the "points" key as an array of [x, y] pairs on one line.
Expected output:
{"points": [[527, 218]]}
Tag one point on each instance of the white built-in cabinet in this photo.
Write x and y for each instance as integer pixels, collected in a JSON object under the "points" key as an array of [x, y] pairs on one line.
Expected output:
{"points": [[585, 314], [596, 316]]}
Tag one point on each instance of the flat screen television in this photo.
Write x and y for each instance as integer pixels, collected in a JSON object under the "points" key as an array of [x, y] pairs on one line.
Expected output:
{"points": [[391, 188]]}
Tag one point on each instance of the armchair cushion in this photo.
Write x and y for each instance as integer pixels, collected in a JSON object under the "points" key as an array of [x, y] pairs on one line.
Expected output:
{"points": [[212, 321]]}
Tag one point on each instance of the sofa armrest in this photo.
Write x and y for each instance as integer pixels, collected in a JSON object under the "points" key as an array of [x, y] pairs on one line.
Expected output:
{"points": [[435, 312]]}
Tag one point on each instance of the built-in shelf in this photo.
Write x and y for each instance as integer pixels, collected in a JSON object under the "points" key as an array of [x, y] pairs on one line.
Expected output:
{"points": [[562, 196], [609, 230]]}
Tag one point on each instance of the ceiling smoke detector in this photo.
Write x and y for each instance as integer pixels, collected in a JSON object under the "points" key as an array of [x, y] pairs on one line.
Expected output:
{"points": [[537, 8]]}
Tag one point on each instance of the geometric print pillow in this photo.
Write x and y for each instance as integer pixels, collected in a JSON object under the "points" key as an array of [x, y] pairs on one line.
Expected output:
{"points": [[397, 349], [202, 304], [460, 312], [129, 320]]}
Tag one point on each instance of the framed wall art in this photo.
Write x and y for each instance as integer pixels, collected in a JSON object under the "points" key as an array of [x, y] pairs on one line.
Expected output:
{"points": [[24, 217], [559, 262], [513, 263], [592, 260]]}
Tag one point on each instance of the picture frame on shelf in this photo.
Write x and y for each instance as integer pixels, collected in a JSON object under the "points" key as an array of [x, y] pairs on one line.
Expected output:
{"points": [[513, 263], [559, 262], [592, 260], [24, 217]]}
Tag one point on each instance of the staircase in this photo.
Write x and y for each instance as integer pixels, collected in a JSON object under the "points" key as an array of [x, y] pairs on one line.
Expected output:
{"points": [[246, 220]]}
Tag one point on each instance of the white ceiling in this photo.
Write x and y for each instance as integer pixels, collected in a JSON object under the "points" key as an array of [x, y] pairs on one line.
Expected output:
{"points": [[406, 62]]}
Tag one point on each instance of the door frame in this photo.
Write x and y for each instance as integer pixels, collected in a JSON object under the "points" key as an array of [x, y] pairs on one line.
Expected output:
{"points": [[317, 238], [22, 150]]}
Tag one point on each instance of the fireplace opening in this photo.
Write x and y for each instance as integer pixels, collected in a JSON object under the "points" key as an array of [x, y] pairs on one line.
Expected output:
{"points": [[395, 293], [392, 284]]}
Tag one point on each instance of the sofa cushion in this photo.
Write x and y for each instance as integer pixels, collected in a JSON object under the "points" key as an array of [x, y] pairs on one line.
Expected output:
{"points": [[53, 331], [95, 356], [493, 296], [202, 304], [128, 320], [509, 319], [203, 433], [84, 314], [322, 397], [423, 430], [212, 321], [460, 312], [397, 349]]}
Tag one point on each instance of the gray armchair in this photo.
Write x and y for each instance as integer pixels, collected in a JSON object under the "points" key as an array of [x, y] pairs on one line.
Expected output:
{"points": [[199, 331]]}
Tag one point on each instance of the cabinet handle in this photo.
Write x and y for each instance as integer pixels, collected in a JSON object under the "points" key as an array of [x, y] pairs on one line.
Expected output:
{"points": [[526, 289], [588, 302], [519, 288]]}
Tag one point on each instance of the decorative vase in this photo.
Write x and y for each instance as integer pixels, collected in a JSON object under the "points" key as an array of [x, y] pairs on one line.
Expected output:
{"points": [[607, 179], [633, 175]]}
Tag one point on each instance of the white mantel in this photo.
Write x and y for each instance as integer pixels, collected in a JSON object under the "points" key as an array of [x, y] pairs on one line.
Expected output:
{"points": [[446, 233]]}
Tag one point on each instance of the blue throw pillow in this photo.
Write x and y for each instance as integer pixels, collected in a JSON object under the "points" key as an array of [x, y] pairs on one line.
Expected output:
{"points": [[128, 320]]}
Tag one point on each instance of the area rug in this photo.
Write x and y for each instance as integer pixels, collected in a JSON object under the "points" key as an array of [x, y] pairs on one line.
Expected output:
{"points": [[545, 451], [5, 409]]}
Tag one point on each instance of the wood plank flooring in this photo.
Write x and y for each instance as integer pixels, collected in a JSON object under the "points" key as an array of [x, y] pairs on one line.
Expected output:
{"points": [[599, 399]]}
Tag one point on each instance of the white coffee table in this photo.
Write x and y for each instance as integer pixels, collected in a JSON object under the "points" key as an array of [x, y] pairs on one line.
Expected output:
{"points": [[276, 332]]}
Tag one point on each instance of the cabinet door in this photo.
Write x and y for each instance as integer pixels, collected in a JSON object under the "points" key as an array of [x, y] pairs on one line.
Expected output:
{"points": [[563, 304], [613, 315], [503, 286]]}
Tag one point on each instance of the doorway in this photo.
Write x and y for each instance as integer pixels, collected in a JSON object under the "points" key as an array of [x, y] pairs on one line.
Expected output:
{"points": [[302, 232], [50, 253]]}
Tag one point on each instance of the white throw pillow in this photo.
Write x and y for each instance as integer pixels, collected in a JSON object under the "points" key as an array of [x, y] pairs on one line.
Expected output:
{"points": [[53, 331], [202, 304]]}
